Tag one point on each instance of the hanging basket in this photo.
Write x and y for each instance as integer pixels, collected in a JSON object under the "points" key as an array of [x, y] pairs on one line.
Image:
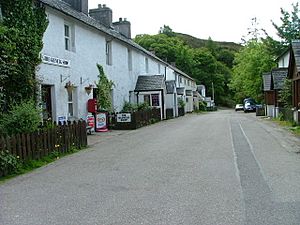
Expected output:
{"points": [[89, 89], [70, 87]]}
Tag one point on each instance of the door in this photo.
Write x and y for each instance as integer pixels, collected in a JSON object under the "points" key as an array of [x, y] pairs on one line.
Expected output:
{"points": [[46, 102]]}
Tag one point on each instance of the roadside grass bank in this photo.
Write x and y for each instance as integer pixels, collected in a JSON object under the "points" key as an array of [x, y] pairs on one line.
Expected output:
{"points": [[291, 126]]}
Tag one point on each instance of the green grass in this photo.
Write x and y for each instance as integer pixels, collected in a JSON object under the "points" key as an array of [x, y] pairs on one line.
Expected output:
{"points": [[294, 128], [30, 165]]}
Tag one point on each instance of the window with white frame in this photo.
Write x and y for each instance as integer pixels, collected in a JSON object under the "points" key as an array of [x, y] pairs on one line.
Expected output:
{"points": [[146, 65], [108, 52], [70, 104], [129, 58], [67, 37]]}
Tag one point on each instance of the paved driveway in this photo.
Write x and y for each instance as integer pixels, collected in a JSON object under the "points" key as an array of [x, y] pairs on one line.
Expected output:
{"points": [[222, 168]]}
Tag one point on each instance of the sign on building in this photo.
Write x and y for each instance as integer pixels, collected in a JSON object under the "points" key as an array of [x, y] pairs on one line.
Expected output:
{"points": [[55, 61]]}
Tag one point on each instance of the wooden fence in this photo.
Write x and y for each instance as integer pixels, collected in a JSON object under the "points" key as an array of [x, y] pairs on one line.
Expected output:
{"points": [[34, 146], [287, 114], [138, 119]]}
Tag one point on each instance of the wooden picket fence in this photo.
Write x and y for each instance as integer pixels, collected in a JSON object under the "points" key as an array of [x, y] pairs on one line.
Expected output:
{"points": [[138, 119], [56, 137]]}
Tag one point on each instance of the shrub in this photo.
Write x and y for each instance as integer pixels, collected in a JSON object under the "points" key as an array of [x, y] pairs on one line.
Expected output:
{"points": [[202, 106], [181, 103], [23, 118], [143, 106], [8, 163], [131, 107]]}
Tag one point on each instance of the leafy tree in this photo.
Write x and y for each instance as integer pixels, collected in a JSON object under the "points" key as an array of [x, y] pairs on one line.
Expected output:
{"points": [[167, 31], [200, 63], [290, 25], [21, 33], [104, 89], [285, 95], [250, 63]]}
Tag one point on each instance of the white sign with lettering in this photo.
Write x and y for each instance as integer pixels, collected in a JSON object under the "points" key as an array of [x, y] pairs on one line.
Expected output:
{"points": [[123, 117], [55, 61]]}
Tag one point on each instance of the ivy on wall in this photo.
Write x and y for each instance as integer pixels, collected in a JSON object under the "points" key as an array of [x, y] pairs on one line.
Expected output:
{"points": [[21, 31], [104, 87]]}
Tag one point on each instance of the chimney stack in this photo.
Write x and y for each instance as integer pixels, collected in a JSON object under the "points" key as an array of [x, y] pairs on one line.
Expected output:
{"points": [[102, 14], [123, 27], [79, 5]]}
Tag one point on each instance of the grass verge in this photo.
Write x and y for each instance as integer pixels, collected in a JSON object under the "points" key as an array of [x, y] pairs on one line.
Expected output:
{"points": [[30, 165]]}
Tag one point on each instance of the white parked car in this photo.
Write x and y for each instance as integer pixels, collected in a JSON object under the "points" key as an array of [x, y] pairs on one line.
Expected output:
{"points": [[239, 107]]}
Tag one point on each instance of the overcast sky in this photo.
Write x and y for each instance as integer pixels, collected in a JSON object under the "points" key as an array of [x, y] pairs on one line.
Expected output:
{"points": [[222, 20]]}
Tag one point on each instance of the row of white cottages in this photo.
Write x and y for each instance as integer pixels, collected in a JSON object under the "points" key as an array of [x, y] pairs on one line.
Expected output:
{"points": [[77, 39]]}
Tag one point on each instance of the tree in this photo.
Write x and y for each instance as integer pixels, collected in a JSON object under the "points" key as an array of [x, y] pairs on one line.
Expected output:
{"points": [[285, 95], [167, 31], [104, 89], [207, 71], [21, 33], [253, 60], [290, 25]]}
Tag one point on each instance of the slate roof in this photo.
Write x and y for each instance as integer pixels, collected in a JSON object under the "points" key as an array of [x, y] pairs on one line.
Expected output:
{"points": [[66, 9], [150, 83], [279, 75], [267, 81]]}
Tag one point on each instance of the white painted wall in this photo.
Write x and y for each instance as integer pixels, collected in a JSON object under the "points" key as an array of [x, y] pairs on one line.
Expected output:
{"points": [[89, 50], [283, 61]]}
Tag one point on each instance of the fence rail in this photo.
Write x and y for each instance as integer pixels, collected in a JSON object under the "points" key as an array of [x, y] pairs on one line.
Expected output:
{"points": [[60, 138]]}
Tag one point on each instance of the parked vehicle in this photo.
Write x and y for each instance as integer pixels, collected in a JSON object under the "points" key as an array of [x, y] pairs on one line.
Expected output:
{"points": [[239, 107], [249, 106]]}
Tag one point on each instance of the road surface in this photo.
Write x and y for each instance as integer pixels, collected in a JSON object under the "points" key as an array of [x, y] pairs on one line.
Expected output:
{"points": [[219, 168]]}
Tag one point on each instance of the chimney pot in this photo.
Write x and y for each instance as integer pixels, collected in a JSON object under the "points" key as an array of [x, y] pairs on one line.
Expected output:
{"points": [[120, 19], [102, 14]]}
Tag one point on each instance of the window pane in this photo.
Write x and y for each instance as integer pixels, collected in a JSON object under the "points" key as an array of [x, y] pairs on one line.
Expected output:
{"points": [[67, 44], [70, 96], [67, 31], [155, 99], [70, 108]]}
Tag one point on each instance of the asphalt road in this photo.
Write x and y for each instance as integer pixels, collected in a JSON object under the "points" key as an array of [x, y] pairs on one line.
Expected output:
{"points": [[223, 168]]}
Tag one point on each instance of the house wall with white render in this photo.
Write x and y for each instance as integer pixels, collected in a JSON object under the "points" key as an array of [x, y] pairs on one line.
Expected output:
{"points": [[73, 44]]}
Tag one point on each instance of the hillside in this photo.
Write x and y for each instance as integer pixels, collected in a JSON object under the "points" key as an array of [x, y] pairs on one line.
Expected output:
{"points": [[198, 43]]}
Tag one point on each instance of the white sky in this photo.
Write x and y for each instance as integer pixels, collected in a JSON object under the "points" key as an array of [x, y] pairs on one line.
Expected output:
{"points": [[222, 20]]}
